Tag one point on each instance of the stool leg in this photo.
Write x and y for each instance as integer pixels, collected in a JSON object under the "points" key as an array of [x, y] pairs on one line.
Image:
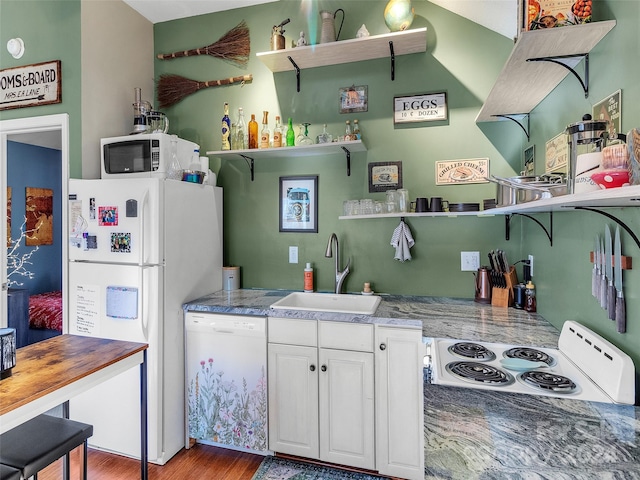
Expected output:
{"points": [[66, 467], [84, 461]]}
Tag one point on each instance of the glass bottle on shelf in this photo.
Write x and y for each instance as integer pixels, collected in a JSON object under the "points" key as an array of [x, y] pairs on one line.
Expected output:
{"points": [[356, 130], [265, 133], [300, 135], [226, 129], [241, 131], [277, 133], [325, 137], [175, 170], [347, 132], [234, 136], [253, 132], [291, 135]]}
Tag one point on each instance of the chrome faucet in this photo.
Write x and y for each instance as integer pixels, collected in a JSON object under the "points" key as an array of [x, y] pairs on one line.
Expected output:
{"points": [[340, 275]]}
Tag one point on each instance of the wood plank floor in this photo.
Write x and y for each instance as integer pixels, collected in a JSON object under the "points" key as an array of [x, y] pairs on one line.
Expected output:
{"points": [[202, 462]]}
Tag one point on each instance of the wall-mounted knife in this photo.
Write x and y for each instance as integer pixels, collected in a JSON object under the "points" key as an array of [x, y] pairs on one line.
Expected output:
{"points": [[611, 292], [603, 277], [621, 310], [595, 274]]}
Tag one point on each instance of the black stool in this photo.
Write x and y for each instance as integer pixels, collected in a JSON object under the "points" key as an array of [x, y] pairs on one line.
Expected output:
{"points": [[9, 473], [35, 444]]}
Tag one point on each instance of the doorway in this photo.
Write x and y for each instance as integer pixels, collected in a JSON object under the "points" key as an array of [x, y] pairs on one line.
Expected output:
{"points": [[49, 132]]}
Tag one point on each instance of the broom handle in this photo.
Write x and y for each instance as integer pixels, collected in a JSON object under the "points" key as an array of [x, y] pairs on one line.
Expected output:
{"points": [[188, 53], [225, 81]]}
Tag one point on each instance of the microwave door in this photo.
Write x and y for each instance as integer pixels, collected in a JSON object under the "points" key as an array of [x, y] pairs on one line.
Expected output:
{"points": [[115, 221]]}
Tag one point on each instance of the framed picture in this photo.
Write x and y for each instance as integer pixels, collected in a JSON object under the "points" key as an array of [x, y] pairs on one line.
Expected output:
{"points": [[529, 166], [556, 154], [428, 107], [610, 109], [299, 204], [385, 176], [353, 99], [468, 170]]}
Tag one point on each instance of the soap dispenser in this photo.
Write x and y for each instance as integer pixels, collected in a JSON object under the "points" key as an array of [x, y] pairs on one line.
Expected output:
{"points": [[308, 279]]}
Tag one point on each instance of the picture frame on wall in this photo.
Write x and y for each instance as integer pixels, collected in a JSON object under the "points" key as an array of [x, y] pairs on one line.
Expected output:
{"points": [[528, 162], [426, 107], [385, 176], [298, 204], [353, 99]]}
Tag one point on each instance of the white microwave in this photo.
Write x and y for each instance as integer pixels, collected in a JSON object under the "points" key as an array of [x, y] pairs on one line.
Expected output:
{"points": [[146, 155]]}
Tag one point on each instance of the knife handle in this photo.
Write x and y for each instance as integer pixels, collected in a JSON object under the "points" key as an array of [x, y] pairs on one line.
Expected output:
{"points": [[603, 291], [621, 313], [611, 301]]}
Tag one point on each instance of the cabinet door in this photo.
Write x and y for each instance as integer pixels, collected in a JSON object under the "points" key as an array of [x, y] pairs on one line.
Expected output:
{"points": [[347, 408], [293, 400], [399, 402]]}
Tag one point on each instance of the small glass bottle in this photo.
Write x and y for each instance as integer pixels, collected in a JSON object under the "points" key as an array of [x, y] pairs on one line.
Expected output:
{"points": [[356, 130], [175, 170], [324, 137], [226, 129], [241, 131], [265, 133], [277, 133], [291, 135], [347, 132], [530, 304], [253, 132]]}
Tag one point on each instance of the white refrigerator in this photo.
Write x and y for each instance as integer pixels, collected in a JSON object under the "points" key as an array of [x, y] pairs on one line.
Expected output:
{"points": [[139, 249]]}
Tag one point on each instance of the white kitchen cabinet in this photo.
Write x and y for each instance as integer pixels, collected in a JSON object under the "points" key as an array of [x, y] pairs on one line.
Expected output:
{"points": [[399, 402], [321, 400]]}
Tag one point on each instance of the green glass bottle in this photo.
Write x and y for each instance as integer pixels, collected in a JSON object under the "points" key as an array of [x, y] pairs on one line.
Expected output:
{"points": [[291, 135]]}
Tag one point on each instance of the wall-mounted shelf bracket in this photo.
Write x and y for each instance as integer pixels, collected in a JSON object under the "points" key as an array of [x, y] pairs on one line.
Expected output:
{"points": [[250, 163], [514, 118], [548, 232], [297, 69], [565, 61], [393, 61], [615, 219], [348, 155]]}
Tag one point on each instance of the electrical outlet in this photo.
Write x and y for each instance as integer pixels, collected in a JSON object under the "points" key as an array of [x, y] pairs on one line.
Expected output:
{"points": [[469, 261], [531, 265], [293, 254]]}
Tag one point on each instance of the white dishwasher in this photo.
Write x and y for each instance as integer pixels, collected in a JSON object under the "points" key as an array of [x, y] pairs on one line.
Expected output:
{"points": [[226, 381]]}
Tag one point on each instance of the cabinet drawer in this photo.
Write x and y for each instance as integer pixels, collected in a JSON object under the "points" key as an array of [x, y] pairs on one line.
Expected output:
{"points": [[346, 336], [293, 331]]}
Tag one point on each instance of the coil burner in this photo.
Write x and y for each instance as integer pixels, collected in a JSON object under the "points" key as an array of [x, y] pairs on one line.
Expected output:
{"points": [[528, 353], [479, 373], [472, 350], [548, 381]]}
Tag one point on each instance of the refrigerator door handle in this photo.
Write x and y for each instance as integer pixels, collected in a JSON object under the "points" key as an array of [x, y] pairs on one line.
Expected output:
{"points": [[143, 203], [143, 282]]}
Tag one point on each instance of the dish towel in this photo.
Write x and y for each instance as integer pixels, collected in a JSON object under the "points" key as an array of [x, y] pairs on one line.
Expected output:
{"points": [[402, 241]]}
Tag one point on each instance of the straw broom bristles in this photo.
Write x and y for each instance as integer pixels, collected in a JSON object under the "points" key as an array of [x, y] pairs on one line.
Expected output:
{"points": [[173, 88], [233, 46]]}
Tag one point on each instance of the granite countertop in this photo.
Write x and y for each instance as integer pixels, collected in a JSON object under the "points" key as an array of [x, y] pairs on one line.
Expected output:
{"points": [[475, 434]]}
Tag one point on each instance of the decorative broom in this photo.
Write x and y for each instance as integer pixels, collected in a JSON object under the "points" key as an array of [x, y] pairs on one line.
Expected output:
{"points": [[233, 46], [173, 88]]}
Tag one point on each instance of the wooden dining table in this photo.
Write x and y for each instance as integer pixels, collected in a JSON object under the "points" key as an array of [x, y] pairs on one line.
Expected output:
{"points": [[49, 373]]}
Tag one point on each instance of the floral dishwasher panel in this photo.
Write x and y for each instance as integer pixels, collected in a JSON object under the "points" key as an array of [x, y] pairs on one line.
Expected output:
{"points": [[227, 411]]}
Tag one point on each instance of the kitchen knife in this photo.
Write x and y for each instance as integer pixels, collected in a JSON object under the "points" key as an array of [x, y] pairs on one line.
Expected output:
{"points": [[621, 310], [603, 278], [611, 292], [595, 273]]}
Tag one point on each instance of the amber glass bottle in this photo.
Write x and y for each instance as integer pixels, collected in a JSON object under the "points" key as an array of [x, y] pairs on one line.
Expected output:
{"points": [[253, 132]]}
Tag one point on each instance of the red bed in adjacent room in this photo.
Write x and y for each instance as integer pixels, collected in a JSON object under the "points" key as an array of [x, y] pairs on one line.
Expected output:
{"points": [[45, 311]]}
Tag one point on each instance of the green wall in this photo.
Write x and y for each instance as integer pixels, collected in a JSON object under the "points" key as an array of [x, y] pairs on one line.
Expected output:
{"points": [[51, 31], [464, 60]]}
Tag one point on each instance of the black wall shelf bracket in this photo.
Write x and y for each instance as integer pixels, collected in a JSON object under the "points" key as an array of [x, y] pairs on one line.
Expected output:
{"points": [[348, 155], [562, 60], [513, 118], [393, 61], [250, 163], [297, 72], [615, 219], [549, 232]]}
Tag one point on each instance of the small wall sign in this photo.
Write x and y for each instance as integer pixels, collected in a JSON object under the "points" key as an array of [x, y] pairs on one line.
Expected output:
{"points": [[556, 154], [31, 85], [610, 109], [385, 176], [428, 107], [471, 170]]}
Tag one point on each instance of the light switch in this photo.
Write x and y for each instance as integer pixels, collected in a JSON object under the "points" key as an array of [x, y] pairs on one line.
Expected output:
{"points": [[293, 254]]}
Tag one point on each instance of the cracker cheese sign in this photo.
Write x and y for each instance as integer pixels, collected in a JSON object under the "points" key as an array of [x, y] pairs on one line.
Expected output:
{"points": [[31, 85]]}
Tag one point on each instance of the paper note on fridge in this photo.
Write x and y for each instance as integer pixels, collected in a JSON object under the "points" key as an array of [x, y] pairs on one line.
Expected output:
{"points": [[87, 310], [122, 302]]}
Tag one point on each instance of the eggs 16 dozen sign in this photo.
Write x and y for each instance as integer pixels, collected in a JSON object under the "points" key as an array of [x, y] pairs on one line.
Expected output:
{"points": [[420, 108], [31, 85]]}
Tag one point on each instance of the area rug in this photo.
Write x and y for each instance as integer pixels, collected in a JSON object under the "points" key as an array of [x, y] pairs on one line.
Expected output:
{"points": [[275, 468]]}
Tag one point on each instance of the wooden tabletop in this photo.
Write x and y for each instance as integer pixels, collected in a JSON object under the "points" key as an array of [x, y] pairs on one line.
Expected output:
{"points": [[54, 364]]}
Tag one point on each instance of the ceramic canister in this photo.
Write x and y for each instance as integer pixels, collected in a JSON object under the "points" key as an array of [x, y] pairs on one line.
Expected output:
{"points": [[230, 278]]}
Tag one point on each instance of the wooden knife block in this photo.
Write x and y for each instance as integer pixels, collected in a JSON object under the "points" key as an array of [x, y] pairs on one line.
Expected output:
{"points": [[503, 297]]}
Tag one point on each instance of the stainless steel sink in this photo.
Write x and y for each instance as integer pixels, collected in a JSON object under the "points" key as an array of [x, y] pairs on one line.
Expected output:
{"points": [[328, 302]]}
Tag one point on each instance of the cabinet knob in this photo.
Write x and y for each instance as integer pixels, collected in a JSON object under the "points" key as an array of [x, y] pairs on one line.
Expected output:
{"points": [[383, 346], [323, 368], [312, 368]]}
